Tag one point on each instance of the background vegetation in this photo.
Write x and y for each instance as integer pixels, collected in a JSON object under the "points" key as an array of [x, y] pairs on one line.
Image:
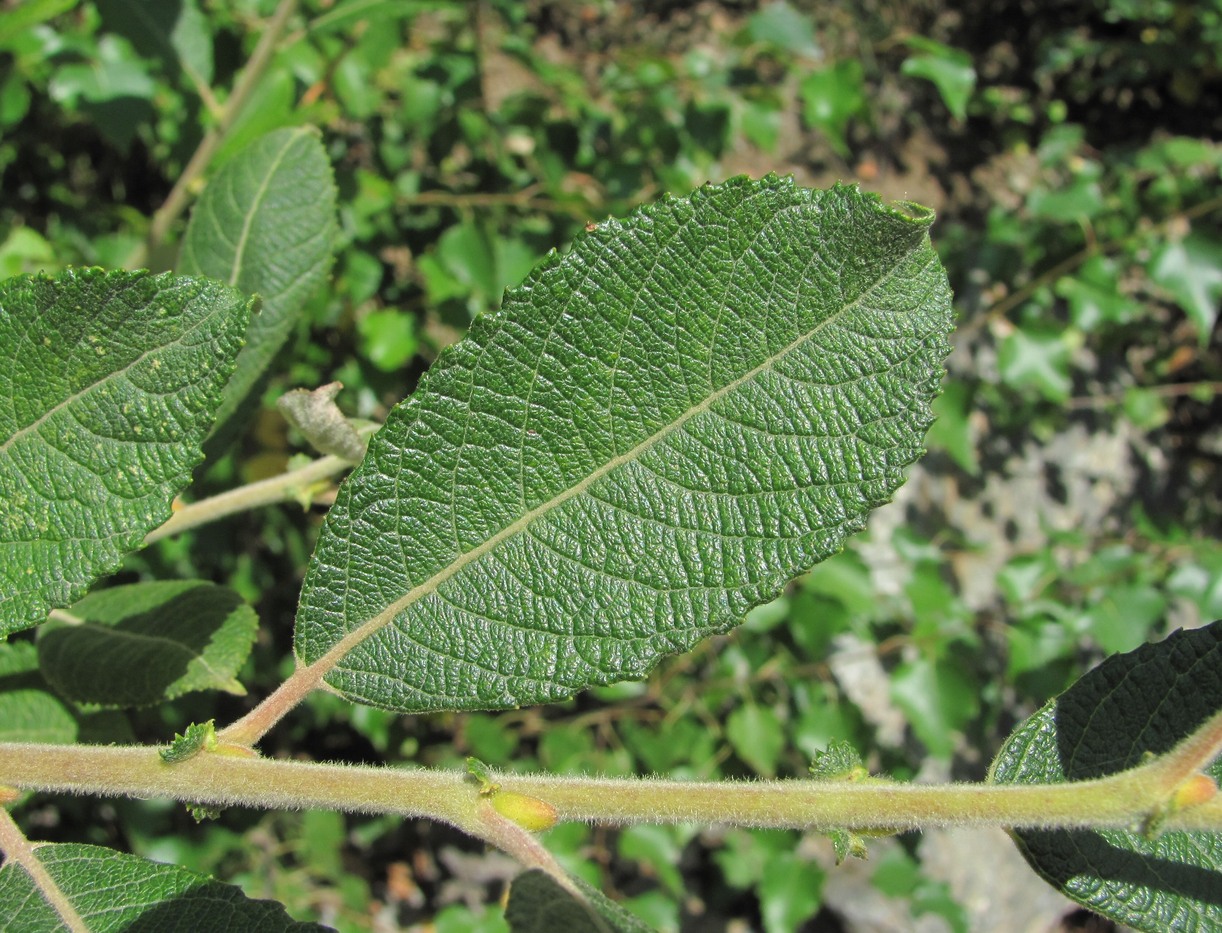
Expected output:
{"points": [[1069, 507]]}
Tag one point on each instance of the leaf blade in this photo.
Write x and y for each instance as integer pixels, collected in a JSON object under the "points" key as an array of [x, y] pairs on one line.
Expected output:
{"points": [[1134, 704], [115, 892], [113, 379], [144, 643], [266, 225], [550, 540]]}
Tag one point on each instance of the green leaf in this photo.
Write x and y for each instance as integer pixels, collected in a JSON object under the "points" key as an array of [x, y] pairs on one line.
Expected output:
{"points": [[938, 698], [117, 893], [790, 893], [948, 69], [148, 642], [111, 381], [177, 33], [757, 736], [656, 432], [1029, 358], [1129, 707], [1191, 270], [537, 904], [29, 712], [831, 97], [25, 16], [266, 225]]}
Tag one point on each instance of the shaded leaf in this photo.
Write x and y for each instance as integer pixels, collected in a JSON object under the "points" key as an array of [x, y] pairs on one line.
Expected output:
{"points": [[176, 32], [117, 893], [1191, 270], [537, 904], [657, 431], [948, 69], [266, 225], [111, 380], [148, 642], [1131, 706], [29, 712]]}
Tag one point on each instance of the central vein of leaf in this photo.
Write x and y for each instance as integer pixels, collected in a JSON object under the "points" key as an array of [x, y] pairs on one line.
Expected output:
{"points": [[325, 664]]}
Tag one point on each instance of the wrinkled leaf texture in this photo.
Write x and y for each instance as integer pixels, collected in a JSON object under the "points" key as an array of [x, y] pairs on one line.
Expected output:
{"points": [[657, 431], [109, 382]]}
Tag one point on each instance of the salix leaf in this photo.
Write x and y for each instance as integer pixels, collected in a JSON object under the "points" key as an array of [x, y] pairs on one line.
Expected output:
{"points": [[113, 892], [144, 643], [266, 225], [1131, 706], [109, 382], [657, 431]]}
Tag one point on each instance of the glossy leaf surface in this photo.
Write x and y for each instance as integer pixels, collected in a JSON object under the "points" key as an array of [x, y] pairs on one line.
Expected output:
{"points": [[656, 432]]}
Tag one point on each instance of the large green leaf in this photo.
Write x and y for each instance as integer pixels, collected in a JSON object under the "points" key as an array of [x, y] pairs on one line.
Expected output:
{"points": [[29, 712], [109, 381], [117, 893], [657, 431], [141, 644], [266, 225], [1132, 705]]}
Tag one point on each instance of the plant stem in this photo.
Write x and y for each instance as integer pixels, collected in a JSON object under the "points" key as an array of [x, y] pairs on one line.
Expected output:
{"points": [[177, 199], [1120, 801], [17, 848], [280, 488]]}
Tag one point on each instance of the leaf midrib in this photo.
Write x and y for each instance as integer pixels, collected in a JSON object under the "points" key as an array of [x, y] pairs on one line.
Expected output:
{"points": [[332, 657]]}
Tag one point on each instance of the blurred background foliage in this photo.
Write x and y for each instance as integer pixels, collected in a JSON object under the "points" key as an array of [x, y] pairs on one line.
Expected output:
{"points": [[1069, 506]]}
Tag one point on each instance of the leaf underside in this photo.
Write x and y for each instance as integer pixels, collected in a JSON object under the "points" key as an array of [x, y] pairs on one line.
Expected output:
{"points": [[657, 431], [144, 643], [109, 382], [1134, 704]]}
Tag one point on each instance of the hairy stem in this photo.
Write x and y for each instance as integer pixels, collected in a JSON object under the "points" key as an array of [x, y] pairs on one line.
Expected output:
{"points": [[282, 488], [17, 848], [1120, 801]]}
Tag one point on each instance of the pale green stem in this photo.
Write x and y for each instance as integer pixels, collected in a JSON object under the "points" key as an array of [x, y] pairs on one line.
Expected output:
{"points": [[1121, 801], [282, 488], [17, 848]]}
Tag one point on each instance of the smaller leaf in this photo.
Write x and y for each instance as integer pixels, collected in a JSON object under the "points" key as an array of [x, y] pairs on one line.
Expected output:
{"points": [[111, 382], [1030, 359], [196, 738], [537, 904], [1131, 706], [141, 644], [1191, 270], [950, 70], [29, 712], [315, 414], [266, 225], [839, 762]]}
